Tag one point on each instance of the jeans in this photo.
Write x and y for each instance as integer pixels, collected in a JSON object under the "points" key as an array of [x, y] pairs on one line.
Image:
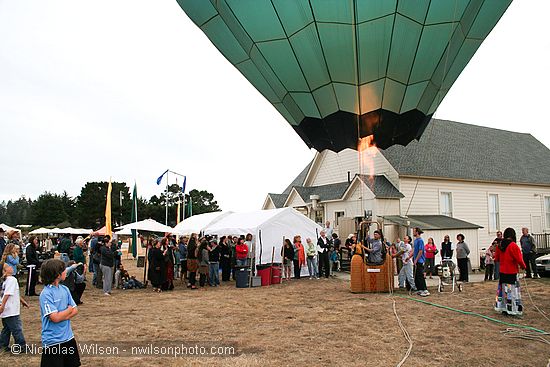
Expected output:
{"points": [[12, 326], [531, 265], [98, 276], [312, 266], [430, 266], [406, 273], [497, 270], [489, 271], [107, 278], [419, 280], [214, 273], [241, 262]]}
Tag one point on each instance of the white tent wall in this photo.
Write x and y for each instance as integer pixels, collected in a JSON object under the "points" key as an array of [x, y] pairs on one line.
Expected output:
{"points": [[268, 228]]}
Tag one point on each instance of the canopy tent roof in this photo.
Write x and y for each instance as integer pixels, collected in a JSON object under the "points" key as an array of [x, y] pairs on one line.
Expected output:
{"points": [[434, 222], [7, 228], [41, 230], [199, 222], [149, 225], [100, 232], [124, 232], [70, 230], [268, 228]]}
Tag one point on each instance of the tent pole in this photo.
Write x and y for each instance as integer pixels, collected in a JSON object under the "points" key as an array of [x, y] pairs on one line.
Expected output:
{"points": [[145, 266], [271, 267]]}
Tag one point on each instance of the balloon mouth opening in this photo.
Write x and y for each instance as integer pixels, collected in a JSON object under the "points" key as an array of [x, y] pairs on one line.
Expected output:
{"points": [[343, 130]]}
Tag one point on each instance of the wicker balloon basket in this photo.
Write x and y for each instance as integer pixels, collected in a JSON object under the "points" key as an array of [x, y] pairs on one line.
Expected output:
{"points": [[367, 278]]}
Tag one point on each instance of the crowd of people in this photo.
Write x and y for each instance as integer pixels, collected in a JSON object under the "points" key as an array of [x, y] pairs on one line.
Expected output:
{"points": [[170, 258]]}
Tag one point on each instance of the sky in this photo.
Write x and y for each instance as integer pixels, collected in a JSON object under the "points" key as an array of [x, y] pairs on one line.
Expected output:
{"points": [[125, 89]]}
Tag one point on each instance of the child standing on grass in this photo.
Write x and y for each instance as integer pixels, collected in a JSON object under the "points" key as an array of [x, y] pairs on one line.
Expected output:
{"points": [[10, 309], [57, 307]]}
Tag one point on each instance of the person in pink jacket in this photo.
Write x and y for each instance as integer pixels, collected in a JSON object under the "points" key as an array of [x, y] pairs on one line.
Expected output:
{"points": [[431, 251]]}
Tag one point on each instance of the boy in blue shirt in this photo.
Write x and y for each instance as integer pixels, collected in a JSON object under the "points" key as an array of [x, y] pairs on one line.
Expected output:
{"points": [[418, 259], [57, 307]]}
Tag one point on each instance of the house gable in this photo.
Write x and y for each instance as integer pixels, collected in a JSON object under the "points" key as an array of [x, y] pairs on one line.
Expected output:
{"points": [[294, 199], [329, 167]]}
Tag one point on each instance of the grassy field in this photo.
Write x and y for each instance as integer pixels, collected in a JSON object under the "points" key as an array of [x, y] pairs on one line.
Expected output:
{"points": [[303, 322]]}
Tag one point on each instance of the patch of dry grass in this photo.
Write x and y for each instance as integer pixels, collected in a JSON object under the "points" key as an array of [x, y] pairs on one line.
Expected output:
{"points": [[303, 322]]}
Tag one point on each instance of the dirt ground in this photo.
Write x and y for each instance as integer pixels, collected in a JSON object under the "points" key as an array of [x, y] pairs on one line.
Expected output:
{"points": [[302, 322]]}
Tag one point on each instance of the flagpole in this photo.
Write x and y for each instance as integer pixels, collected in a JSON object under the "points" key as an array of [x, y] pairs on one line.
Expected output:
{"points": [[166, 220]]}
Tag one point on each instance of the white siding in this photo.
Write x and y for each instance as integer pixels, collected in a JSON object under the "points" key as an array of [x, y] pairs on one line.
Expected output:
{"points": [[333, 167], [294, 199], [517, 203], [268, 204]]}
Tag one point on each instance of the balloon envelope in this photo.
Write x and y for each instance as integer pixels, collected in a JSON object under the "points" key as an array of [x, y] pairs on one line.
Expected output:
{"points": [[340, 70]]}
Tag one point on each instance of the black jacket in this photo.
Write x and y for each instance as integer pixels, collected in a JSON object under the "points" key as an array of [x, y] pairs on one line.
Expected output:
{"points": [[108, 255], [31, 255], [322, 244], [215, 254]]}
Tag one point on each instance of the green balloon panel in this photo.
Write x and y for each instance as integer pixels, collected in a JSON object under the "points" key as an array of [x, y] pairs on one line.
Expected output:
{"points": [[339, 70]]}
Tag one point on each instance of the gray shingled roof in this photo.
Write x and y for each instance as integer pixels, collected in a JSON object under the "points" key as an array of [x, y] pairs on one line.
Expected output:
{"points": [[278, 199], [325, 192], [299, 180], [431, 222], [381, 187], [456, 150]]}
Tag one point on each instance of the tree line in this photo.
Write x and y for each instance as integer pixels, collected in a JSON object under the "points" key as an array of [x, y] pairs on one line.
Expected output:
{"points": [[87, 210]]}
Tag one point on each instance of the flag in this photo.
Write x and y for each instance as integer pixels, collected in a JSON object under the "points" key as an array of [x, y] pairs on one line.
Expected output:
{"points": [[184, 182], [178, 215], [160, 178], [134, 219], [108, 226]]}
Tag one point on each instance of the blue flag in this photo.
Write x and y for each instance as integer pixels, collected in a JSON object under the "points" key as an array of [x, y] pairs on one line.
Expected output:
{"points": [[160, 178], [184, 182]]}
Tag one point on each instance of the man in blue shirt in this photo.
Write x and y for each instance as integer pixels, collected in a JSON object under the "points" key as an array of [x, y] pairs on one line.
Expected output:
{"points": [[57, 307], [419, 259]]}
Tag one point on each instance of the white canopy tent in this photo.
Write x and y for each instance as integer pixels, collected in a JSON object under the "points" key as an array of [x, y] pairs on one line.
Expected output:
{"points": [[124, 232], [41, 230], [70, 230], [7, 228], [268, 228], [150, 225], [197, 223]]}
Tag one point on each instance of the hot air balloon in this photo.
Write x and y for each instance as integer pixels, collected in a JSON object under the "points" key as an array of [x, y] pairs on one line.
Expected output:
{"points": [[341, 70]]}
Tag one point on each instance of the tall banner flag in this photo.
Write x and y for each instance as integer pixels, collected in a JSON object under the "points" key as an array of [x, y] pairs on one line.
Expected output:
{"points": [[108, 226], [160, 178], [184, 182], [134, 219], [178, 219]]}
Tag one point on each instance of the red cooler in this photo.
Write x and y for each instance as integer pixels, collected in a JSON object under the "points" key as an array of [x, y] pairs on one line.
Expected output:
{"points": [[264, 271], [276, 272]]}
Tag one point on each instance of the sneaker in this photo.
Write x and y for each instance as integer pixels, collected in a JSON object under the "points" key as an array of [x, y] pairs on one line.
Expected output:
{"points": [[424, 294], [537, 276], [107, 294]]}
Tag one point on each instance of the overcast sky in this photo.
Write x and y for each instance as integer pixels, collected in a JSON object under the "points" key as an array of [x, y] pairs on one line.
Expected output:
{"points": [[128, 88]]}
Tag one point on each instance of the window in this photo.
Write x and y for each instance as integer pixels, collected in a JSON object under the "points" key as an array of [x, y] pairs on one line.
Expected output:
{"points": [[337, 216], [547, 210], [319, 217], [494, 213], [446, 204]]}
